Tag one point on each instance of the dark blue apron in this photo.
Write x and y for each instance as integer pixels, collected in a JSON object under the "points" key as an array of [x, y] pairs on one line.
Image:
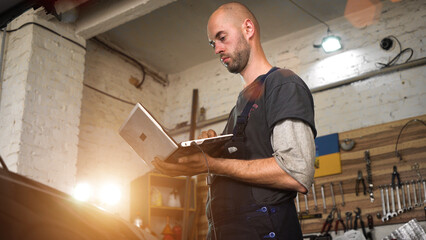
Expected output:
{"points": [[236, 214]]}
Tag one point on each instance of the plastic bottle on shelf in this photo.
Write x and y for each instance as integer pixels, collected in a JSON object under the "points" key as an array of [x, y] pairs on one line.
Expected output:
{"points": [[138, 221]]}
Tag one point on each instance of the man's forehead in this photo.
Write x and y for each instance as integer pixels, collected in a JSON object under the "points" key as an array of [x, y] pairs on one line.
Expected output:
{"points": [[218, 23]]}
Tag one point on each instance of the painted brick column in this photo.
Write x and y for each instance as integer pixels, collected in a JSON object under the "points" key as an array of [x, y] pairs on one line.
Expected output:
{"points": [[41, 100]]}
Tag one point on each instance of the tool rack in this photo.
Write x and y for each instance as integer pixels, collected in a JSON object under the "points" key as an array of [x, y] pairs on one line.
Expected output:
{"points": [[380, 140]]}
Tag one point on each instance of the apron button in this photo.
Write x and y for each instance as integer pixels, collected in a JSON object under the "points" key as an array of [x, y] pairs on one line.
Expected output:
{"points": [[271, 234], [264, 209]]}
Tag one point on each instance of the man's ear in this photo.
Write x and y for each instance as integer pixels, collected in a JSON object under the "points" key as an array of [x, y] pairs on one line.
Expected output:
{"points": [[248, 28]]}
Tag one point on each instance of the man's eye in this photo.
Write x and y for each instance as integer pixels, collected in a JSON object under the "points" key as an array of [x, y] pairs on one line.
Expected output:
{"points": [[222, 38]]}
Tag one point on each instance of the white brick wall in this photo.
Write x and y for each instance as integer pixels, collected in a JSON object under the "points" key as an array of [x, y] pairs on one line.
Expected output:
{"points": [[338, 109], [41, 99], [103, 155]]}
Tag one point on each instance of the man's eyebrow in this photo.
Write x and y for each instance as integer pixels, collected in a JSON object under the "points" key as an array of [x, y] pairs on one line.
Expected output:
{"points": [[218, 34]]}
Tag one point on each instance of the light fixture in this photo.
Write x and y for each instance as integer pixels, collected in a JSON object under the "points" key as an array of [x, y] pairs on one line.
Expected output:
{"points": [[330, 43]]}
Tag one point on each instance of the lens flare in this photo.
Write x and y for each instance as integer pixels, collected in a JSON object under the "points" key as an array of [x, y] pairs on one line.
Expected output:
{"points": [[110, 194], [82, 192]]}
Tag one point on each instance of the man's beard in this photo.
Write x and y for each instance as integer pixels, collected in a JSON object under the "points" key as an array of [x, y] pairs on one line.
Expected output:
{"points": [[240, 57]]}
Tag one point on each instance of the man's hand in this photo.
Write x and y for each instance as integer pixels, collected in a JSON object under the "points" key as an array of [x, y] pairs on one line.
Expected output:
{"points": [[186, 166], [207, 134]]}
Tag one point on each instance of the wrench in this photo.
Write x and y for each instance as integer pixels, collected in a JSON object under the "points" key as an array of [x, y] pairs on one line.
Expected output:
{"points": [[420, 192], [341, 192], [403, 198], [416, 204], [324, 206], [306, 203], [349, 220], [388, 214], [332, 195], [410, 206], [393, 203], [297, 203], [399, 200], [315, 197], [424, 191], [384, 218]]}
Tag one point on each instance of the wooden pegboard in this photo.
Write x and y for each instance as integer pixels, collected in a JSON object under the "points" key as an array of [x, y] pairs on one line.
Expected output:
{"points": [[380, 140]]}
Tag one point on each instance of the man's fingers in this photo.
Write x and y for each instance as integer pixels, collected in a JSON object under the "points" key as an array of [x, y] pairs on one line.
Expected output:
{"points": [[207, 134], [211, 133], [203, 135]]}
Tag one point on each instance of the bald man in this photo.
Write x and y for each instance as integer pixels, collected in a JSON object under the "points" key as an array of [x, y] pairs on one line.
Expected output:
{"points": [[272, 153]]}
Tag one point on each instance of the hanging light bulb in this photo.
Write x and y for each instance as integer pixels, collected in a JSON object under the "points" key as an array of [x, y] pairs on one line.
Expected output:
{"points": [[331, 44]]}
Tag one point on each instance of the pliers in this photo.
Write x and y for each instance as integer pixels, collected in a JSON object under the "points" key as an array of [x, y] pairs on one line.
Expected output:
{"points": [[339, 220], [395, 174], [360, 179], [328, 222], [358, 217]]}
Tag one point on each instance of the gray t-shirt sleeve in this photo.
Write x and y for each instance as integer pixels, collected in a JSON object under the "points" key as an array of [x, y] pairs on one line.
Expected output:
{"points": [[294, 150]]}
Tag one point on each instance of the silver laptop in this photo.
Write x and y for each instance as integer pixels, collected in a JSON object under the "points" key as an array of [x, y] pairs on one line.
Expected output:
{"points": [[148, 138]]}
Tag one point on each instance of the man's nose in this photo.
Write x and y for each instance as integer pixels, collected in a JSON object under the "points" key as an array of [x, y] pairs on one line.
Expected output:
{"points": [[218, 48]]}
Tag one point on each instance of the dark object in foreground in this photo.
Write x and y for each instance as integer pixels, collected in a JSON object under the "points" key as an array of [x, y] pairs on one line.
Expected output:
{"points": [[31, 210]]}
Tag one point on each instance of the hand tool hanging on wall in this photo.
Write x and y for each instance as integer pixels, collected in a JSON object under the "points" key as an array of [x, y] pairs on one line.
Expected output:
{"points": [[341, 192], [394, 214], [400, 210], [419, 184], [304, 216], [306, 202], [404, 205], [297, 203], [348, 220], [332, 195], [424, 191], [388, 214], [359, 180], [410, 206], [413, 184], [328, 222], [384, 218], [324, 205], [339, 220], [370, 225], [416, 167], [315, 197], [395, 186], [369, 175], [358, 218]]}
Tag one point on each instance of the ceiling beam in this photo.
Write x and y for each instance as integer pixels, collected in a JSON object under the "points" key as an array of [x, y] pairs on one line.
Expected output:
{"points": [[110, 14]]}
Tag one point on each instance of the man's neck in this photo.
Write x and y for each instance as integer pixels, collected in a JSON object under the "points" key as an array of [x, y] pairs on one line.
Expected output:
{"points": [[256, 66], [255, 69]]}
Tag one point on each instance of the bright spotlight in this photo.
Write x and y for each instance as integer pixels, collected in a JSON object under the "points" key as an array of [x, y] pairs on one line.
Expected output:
{"points": [[110, 194], [331, 44], [82, 192]]}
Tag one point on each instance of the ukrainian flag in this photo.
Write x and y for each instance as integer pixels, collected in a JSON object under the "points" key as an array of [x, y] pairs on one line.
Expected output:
{"points": [[327, 161]]}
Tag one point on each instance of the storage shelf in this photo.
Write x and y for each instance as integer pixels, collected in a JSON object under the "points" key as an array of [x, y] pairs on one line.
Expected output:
{"points": [[155, 215]]}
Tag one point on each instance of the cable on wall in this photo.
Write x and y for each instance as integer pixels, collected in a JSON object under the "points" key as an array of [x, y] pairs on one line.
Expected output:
{"points": [[48, 29], [109, 95], [76, 43], [145, 71], [397, 153], [386, 44]]}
